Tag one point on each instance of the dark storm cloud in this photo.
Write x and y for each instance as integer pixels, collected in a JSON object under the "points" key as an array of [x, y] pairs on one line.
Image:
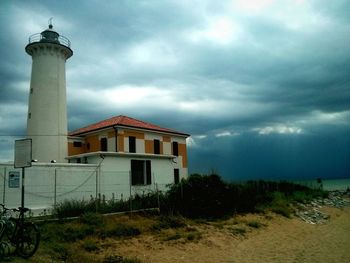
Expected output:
{"points": [[262, 84]]}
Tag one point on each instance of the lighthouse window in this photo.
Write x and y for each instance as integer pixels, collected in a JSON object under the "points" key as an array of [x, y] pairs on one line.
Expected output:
{"points": [[29, 115], [31, 91]]}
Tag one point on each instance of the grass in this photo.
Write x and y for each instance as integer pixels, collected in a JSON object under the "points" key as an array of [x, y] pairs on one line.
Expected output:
{"points": [[206, 200], [237, 231], [254, 224], [90, 245], [184, 235], [280, 205], [165, 222], [120, 230]]}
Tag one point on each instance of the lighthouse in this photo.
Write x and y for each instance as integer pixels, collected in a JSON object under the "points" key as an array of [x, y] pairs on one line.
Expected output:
{"points": [[47, 108]]}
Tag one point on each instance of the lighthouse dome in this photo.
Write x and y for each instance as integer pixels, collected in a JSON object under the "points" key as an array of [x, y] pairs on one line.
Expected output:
{"points": [[50, 35]]}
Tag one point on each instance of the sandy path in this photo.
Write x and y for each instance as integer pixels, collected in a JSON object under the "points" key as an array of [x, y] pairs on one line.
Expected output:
{"points": [[296, 241], [282, 240]]}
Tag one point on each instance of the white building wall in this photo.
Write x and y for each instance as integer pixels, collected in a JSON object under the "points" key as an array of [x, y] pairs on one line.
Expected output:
{"points": [[47, 184], [178, 139], [152, 136], [116, 171], [108, 177]]}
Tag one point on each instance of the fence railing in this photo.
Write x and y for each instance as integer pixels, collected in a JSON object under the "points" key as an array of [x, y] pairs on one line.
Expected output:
{"points": [[39, 38]]}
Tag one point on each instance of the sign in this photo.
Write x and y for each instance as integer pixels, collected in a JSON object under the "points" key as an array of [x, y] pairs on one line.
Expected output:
{"points": [[14, 179], [23, 153]]}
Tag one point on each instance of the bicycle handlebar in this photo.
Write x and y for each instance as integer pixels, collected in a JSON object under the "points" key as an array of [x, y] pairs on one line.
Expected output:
{"points": [[19, 209]]}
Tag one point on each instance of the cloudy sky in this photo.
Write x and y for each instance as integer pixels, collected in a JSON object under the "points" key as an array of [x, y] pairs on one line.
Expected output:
{"points": [[262, 86]]}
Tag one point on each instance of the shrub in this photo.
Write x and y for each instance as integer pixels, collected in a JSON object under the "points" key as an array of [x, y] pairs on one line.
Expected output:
{"points": [[90, 245], [92, 219], [280, 205], [72, 233], [165, 222], [197, 196], [300, 197], [237, 231], [254, 224], [193, 236], [121, 230], [172, 237]]}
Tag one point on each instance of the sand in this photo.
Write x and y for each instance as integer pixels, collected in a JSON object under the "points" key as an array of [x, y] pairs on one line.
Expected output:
{"points": [[280, 240]]}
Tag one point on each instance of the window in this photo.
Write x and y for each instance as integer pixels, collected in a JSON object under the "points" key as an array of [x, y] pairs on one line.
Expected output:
{"points": [[176, 176], [77, 144], [141, 172], [132, 144], [103, 144], [88, 146], [175, 149], [156, 144]]}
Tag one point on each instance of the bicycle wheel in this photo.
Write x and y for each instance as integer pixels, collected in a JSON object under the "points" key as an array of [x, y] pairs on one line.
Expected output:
{"points": [[10, 229], [28, 240], [2, 252]]}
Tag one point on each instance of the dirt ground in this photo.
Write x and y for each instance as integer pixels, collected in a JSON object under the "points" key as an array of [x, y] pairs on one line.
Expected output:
{"points": [[249, 238], [279, 240]]}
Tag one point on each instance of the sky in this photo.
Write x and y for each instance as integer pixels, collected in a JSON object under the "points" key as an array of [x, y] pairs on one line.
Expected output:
{"points": [[262, 86]]}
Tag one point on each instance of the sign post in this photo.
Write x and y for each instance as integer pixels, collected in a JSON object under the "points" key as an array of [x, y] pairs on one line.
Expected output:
{"points": [[23, 159]]}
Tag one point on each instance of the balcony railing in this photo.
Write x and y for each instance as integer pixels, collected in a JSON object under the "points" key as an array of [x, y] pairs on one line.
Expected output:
{"points": [[39, 38]]}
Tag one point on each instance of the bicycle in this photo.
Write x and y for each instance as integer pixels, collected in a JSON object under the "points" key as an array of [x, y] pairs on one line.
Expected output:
{"points": [[17, 232]]}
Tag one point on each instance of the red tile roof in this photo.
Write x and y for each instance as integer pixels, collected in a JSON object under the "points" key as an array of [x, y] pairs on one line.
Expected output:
{"points": [[123, 121]]}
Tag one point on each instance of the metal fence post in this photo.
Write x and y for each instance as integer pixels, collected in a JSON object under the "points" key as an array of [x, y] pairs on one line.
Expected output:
{"points": [[158, 200], [55, 190], [3, 194], [96, 198], [130, 199]]}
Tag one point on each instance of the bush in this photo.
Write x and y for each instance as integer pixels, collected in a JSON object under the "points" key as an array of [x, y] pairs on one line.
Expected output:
{"points": [[165, 222], [254, 224], [197, 196], [90, 245], [238, 231], [121, 230], [75, 208], [280, 204], [207, 196], [72, 208], [92, 219]]}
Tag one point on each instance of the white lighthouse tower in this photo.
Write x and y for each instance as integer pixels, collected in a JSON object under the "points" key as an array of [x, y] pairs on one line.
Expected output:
{"points": [[47, 109]]}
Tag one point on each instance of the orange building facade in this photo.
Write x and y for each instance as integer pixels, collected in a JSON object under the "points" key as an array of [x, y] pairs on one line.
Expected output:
{"points": [[135, 142]]}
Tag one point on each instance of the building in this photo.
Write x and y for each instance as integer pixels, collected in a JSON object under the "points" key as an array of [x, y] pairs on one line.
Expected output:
{"points": [[114, 158], [127, 144], [47, 107]]}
